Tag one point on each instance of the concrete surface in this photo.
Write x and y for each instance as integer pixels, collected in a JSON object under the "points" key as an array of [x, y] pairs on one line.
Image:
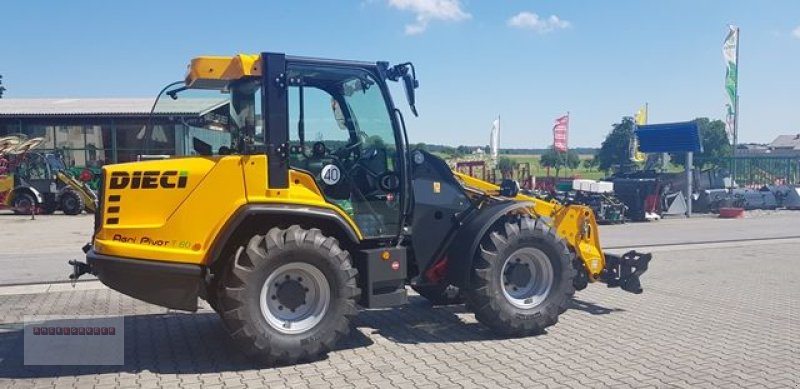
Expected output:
{"points": [[712, 316], [38, 250]]}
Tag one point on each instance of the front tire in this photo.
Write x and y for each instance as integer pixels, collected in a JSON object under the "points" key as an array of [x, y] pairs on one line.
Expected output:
{"points": [[289, 295], [522, 278], [71, 203]]}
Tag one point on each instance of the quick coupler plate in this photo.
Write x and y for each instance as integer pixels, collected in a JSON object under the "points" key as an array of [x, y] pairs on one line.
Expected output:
{"points": [[624, 271]]}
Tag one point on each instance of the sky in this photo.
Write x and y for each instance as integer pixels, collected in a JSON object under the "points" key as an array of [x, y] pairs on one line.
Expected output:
{"points": [[527, 61]]}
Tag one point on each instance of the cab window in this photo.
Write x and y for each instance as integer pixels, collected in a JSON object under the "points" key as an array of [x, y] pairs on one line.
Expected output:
{"points": [[340, 130]]}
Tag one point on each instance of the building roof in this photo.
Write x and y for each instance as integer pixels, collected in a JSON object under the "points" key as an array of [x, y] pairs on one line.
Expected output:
{"points": [[786, 142], [107, 106]]}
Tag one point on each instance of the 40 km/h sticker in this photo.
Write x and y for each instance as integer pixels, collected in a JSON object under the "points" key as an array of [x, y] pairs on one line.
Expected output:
{"points": [[331, 174]]}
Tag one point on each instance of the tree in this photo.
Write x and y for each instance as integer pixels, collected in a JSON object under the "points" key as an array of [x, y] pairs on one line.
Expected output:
{"points": [[615, 149], [716, 146], [463, 150], [2, 88], [590, 163], [558, 160], [506, 166]]}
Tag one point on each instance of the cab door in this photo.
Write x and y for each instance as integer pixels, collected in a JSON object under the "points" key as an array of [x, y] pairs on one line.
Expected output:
{"points": [[341, 130]]}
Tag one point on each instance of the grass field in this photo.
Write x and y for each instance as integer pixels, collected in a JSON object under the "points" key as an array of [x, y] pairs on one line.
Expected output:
{"points": [[539, 171], [580, 172]]}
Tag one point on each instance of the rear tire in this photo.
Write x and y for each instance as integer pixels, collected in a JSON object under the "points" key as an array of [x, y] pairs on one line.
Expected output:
{"points": [[522, 278], [23, 203], [441, 294], [288, 295], [71, 203]]}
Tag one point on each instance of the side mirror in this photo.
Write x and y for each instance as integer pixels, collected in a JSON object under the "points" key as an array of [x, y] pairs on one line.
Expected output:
{"points": [[409, 75], [411, 84], [509, 188]]}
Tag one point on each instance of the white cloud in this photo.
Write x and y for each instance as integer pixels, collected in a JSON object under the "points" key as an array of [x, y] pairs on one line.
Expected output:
{"points": [[796, 32], [532, 21], [427, 10]]}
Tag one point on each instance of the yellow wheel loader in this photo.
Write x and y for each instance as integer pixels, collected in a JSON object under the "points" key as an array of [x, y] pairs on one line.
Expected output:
{"points": [[318, 205], [36, 182]]}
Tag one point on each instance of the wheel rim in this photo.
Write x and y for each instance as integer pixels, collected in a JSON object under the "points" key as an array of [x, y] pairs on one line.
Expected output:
{"points": [[527, 277], [24, 205], [69, 204], [295, 298]]}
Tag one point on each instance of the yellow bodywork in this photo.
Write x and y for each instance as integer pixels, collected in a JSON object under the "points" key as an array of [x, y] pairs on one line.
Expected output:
{"points": [[213, 72], [179, 224], [575, 224], [6, 185]]}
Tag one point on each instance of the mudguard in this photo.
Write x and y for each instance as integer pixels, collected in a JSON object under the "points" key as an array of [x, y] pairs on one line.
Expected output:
{"points": [[463, 247], [31, 190]]}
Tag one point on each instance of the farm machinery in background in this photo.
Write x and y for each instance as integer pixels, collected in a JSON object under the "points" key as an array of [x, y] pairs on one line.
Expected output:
{"points": [[598, 195], [32, 182]]}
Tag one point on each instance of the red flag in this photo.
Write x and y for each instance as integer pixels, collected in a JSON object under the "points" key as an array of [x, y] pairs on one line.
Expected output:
{"points": [[560, 131]]}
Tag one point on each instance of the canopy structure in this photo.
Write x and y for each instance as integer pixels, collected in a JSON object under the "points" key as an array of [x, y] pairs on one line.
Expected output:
{"points": [[669, 137], [673, 138]]}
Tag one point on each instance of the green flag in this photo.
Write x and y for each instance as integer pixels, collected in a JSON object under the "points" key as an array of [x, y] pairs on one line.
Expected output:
{"points": [[730, 52]]}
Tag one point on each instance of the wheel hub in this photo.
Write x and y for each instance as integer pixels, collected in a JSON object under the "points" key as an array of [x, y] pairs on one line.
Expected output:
{"points": [[527, 277], [295, 297], [291, 294], [519, 274]]}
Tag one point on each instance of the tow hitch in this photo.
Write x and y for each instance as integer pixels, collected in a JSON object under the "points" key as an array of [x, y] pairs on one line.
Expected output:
{"points": [[624, 271], [80, 268]]}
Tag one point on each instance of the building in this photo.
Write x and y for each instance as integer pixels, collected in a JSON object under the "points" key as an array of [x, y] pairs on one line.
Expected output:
{"points": [[784, 146], [93, 132], [789, 144]]}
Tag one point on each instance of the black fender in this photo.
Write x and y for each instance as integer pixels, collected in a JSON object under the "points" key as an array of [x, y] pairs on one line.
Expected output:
{"points": [[277, 210], [31, 191], [464, 245]]}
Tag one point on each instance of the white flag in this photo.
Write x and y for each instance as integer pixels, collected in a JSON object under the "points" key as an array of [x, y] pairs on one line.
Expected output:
{"points": [[494, 137]]}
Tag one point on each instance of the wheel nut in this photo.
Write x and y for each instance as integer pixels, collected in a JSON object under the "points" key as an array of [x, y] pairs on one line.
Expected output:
{"points": [[274, 297], [280, 307], [299, 279]]}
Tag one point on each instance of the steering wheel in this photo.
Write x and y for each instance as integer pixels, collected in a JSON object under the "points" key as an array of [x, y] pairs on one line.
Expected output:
{"points": [[353, 147]]}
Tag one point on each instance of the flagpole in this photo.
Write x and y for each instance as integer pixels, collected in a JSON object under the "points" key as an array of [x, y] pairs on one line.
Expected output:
{"points": [[566, 142], [736, 112]]}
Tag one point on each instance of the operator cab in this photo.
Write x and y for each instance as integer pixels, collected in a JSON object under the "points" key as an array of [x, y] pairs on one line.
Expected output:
{"points": [[334, 120]]}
